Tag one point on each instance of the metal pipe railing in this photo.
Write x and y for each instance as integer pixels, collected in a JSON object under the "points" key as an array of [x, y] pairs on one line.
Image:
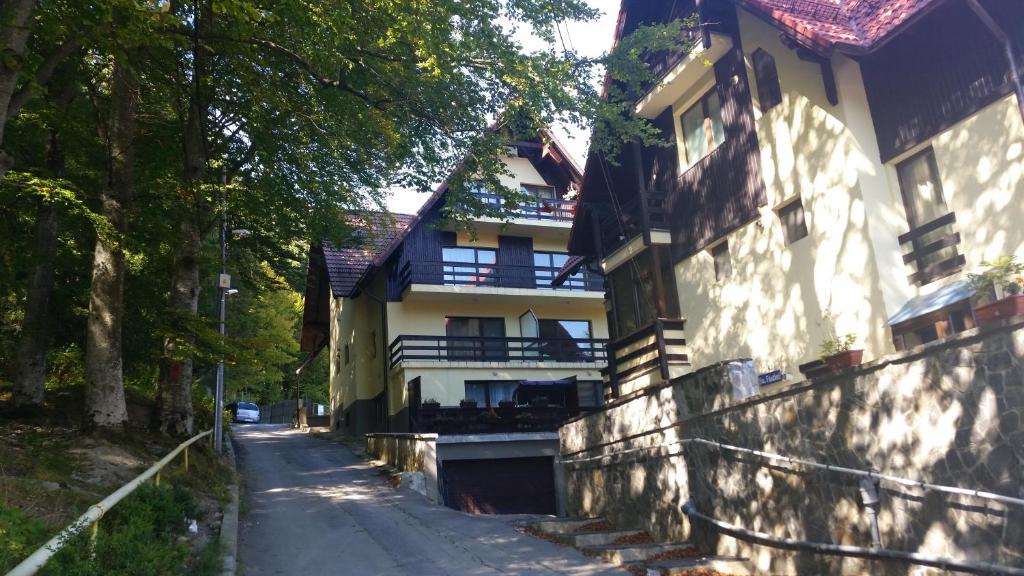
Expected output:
{"points": [[953, 564], [91, 517], [812, 464]]}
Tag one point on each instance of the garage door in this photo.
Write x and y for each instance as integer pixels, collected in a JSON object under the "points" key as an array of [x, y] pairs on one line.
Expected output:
{"points": [[500, 486]]}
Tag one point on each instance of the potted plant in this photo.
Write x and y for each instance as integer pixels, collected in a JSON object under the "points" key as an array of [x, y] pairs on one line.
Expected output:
{"points": [[431, 404], [839, 354], [467, 403], [1000, 286], [506, 404]]}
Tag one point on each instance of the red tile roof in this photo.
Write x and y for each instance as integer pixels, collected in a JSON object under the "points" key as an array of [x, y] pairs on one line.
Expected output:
{"points": [[859, 24], [346, 266]]}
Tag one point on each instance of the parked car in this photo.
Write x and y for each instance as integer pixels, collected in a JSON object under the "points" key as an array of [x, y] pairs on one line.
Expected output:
{"points": [[244, 412]]}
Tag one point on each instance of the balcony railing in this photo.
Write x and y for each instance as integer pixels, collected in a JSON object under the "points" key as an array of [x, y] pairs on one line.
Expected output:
{"points": [[487, 420], [496, 349], [933, 251], [497, 275], [554, 209], [657, 347], [632, 217]]}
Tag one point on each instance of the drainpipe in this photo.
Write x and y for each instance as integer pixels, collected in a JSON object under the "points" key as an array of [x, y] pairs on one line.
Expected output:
{"points": [[383, 356], [1011, 57]]}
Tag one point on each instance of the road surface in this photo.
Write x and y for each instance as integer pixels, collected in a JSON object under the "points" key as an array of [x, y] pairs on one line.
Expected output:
{"points": [[313, 507]]}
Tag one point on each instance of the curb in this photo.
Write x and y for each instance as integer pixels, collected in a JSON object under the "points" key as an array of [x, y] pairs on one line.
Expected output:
{"points": [[229, 524]]}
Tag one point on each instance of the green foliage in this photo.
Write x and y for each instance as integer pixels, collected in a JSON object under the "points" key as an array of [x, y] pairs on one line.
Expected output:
{"points": [[837, 345], [1003, 272], [19, 536]]}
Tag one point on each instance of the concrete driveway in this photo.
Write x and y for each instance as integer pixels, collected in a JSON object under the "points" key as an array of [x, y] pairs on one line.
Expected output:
{"points": [[312, 507]]}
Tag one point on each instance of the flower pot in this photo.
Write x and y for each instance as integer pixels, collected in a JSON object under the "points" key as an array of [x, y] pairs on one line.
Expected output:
{"points": [[1004, 308], [467, 404], [844, 360]]}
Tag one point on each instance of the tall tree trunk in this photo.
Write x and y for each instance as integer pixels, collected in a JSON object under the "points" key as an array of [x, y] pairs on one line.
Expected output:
{"points": [[30, 378], [175, 386], [15, 20], [104, 389]]}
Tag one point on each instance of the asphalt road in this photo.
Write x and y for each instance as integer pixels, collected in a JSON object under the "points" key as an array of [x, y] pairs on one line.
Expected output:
{"points": [[313, 507]]}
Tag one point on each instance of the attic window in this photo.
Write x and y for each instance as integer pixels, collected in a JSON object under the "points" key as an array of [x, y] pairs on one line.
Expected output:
{"points": [[769, 92]]}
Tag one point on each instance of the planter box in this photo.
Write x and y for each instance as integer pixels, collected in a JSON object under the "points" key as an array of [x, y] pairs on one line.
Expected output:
{"points": [[844, 360], [465, 404], [1006, 308]]}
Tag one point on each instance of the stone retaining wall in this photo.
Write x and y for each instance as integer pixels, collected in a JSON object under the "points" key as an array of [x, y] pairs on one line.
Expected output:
{"points": [[947, 413], [408, 453]]}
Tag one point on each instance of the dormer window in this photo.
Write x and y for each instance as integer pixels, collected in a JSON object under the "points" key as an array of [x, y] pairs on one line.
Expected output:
{"points": [[702, 127]]}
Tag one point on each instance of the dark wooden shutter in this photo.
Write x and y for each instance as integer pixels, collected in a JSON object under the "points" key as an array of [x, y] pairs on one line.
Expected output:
{"points": [[515, 262]]}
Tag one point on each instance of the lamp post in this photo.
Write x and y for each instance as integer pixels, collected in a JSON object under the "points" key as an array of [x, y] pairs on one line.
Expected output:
{"points": [[225, 289]]}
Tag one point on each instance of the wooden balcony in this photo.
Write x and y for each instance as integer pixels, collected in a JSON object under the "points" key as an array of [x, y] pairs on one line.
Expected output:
{"points": [[495, 349], [634, 216], [556, 210], [453, 420], [495, 275], [655, 352], [933, 252]]}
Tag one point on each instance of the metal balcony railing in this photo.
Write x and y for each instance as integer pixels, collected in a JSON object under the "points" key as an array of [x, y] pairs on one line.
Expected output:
{"points": [[497, 275], [554, 209]]}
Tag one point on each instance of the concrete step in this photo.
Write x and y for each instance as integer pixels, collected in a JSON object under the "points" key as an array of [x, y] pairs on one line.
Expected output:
{"points": [[626, 553], [557, 526], [603, 537], [720, 564]]}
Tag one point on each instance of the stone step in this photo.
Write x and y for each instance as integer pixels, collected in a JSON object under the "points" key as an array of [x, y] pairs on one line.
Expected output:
{"points": [[557, 526], [602, 537], [720, 564], [626, 553]]}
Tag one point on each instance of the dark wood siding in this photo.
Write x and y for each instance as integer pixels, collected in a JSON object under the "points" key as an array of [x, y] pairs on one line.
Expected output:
{"points": [[724, 190], [422, 245], [516, 251], [937, 73], [501, 486]]}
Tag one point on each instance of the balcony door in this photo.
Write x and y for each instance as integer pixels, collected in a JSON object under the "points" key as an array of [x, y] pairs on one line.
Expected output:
{"points": [[566, 340], [926, 208], [469, 266], [476, 338]]}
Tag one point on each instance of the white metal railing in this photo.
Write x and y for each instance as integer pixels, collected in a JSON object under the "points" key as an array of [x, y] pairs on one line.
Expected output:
{"points": [[812, 464], [92, 516]]}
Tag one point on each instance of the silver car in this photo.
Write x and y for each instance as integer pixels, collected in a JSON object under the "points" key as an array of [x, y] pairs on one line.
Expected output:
{"points": [[246, 412]]}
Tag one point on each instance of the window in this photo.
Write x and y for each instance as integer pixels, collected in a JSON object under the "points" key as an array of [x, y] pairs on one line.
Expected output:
{"points": [[933, 326], [469, 265], [476, 338], [634, 291], [702, 127], [539, 191], [489, 393], [546, 266], [793, 225], [723, 263], [924, 202], [555, 335], [589, 393], [769, 93]]}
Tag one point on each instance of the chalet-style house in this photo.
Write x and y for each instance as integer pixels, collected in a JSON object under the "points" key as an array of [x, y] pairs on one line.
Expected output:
{"points": [[430, 330], [837, 167]]}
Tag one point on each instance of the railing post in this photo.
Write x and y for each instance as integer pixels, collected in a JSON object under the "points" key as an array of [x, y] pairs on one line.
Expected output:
{"points": [[156, 479], [659, 334], [94, 533], [186, 459]]}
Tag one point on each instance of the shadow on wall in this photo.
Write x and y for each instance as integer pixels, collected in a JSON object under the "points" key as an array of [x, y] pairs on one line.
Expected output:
{"points": [[948, 414]]}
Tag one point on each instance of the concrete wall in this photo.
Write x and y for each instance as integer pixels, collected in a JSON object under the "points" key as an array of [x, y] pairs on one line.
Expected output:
{"points": [[847, 275], [948, 413], [408, 453], [356, 322]]}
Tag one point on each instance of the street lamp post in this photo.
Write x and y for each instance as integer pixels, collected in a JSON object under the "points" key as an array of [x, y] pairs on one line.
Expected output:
{"points": [[225, 289]]}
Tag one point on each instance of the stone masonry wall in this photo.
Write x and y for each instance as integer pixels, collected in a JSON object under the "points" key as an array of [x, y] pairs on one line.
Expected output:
{"points": [[946, 413]]}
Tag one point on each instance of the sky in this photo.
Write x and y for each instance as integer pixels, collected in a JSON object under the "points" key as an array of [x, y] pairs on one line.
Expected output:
{"points": [[588, 39]]}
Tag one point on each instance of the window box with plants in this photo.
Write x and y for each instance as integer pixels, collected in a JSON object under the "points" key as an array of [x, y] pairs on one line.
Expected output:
{"points": [[998, 290], [467, 403], [431, 405], [839, 354]]}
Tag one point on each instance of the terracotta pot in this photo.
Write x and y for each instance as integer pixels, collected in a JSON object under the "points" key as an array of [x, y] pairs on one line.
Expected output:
{"points": [[1005, 308], [844, 360]]}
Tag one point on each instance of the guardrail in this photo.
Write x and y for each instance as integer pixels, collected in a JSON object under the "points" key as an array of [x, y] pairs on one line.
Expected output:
{"points": [[92, 516]]}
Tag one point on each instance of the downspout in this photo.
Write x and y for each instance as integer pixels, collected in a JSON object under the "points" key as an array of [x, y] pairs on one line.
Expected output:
{"points": [[383, 356], [1011, 57]]}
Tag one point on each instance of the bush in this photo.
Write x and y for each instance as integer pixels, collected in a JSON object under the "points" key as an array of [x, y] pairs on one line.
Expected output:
{"points": [[19, 537]]}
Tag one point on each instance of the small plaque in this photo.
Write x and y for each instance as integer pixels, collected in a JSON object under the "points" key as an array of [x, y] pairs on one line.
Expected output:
{"points": [[224, 281], [770, 377]]}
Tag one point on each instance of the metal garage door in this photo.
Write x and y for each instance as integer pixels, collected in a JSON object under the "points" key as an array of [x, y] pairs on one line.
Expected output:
{"points": [[500, 486]]}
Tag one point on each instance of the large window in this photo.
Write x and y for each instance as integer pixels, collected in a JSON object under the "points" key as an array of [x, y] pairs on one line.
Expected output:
{"points": [[476, 265], [924, 202], [476, 338], [723, 262], [539, 191], [488, 393], [547, 265], [555, 345], [702, 127], [634, 303]]}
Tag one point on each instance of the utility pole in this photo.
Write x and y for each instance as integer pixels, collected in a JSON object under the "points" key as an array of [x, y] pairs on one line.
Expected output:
{"points": [[223, 285]]}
